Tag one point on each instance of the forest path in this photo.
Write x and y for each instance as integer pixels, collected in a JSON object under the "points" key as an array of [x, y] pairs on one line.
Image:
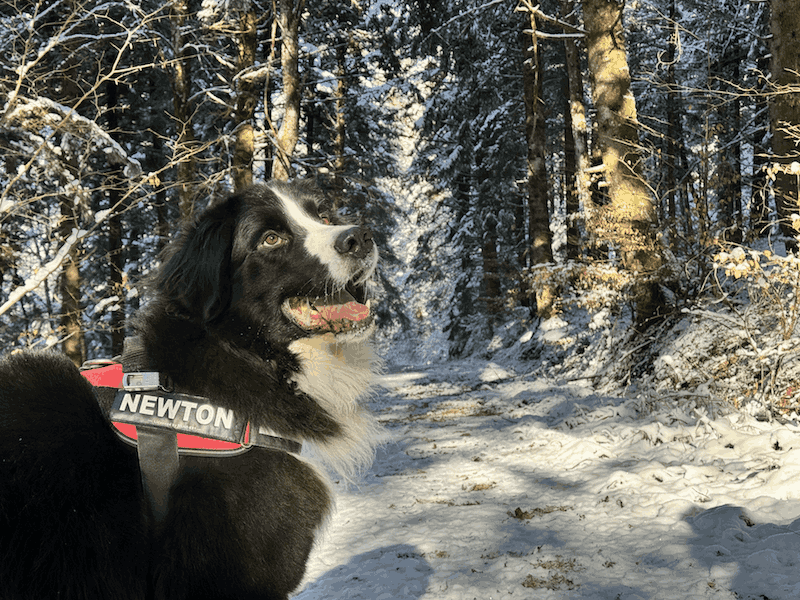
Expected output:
{"points": [[496, 484]]}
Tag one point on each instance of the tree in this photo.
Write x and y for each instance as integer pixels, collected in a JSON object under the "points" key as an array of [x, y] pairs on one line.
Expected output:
{"points": [[184, 154], [541, 251], [289, 15], [576, 152], [785, 112], [246, 98], [628, 220], [64, 177], [181, 90]]}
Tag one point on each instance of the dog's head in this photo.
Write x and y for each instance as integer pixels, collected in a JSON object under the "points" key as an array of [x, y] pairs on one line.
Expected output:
{"points": [[275, 258]]}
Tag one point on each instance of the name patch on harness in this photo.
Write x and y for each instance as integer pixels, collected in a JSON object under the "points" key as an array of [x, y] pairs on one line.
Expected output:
{"points": [[180, 412]]}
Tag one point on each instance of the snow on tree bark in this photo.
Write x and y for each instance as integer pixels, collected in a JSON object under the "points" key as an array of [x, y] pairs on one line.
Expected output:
{"points": [[629, 218], [289, 13]]}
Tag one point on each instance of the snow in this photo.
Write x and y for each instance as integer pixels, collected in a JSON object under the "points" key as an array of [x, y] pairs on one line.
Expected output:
{"points": [[499, 482]]}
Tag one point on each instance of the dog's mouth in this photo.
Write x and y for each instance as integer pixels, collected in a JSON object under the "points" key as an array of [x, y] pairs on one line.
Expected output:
{"points": [[337, 314]]}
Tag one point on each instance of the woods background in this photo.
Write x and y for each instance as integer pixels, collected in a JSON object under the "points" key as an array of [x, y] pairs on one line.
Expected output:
{"points": [[515, 160]]}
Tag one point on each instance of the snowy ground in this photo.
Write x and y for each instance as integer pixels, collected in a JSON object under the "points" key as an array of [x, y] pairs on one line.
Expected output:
{"points": [[501, 484]]}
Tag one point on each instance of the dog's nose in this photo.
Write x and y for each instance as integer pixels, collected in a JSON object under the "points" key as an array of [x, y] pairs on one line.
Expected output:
{"points": [[356, 242]]}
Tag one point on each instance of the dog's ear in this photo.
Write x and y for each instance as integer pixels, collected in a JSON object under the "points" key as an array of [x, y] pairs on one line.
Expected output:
{"points": [[196, 271]]}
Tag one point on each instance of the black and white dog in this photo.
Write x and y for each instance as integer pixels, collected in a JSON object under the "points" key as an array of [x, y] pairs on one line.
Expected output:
{"points": [[259, 310]]}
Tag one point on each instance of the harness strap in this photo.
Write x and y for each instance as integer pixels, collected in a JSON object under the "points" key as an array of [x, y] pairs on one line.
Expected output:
{"points": [[158, 463], [157, 448], [157, 441]]}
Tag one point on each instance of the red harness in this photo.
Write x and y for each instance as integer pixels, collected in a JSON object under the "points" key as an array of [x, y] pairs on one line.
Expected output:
{"points": [[111, 376], [162, 438]]}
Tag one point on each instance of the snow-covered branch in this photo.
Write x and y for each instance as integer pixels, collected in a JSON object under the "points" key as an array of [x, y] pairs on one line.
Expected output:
{"points": [[571, 30], [45, 271], [37, 113]]}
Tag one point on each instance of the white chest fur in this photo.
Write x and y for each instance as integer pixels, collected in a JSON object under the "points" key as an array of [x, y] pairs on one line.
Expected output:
{"points": [[339, 376]]}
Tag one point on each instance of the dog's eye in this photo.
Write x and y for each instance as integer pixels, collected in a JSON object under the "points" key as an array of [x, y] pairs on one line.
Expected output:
{"points": [[273, 240]]}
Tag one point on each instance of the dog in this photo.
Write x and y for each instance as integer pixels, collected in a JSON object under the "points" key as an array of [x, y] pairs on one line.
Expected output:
{"points": [[259, 311]]}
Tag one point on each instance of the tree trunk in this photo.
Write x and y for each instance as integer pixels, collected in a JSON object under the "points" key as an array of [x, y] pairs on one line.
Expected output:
{"points": [[785, 111], [629, 219], [571, 202], [492, 291], [677, 163], [181, 91], [116, 253], [541, 251], [671, 142], [70, 287], [244, 145], [69, 282], [575, 137], [340, 125], [289, 12], [730, 175], [269, 150], [759, 204]]}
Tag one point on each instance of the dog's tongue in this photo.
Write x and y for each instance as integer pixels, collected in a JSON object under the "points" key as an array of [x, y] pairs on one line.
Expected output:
{"points": [[350, 310], [332, 313]]}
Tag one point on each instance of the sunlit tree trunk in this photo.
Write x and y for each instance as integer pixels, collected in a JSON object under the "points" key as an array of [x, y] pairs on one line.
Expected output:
{"points": [[785, 110], [759, 204], [69, 282], [181, 91], [244, 145], [340, 124], [289, 13], [629, 220]]}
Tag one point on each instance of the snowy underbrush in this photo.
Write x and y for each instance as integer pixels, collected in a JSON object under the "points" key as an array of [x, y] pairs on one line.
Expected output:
{"points": [[740, 342], [735, 345]]}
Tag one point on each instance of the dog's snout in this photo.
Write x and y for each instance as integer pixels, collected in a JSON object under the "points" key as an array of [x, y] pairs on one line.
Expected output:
{"points": [[356, 242]]}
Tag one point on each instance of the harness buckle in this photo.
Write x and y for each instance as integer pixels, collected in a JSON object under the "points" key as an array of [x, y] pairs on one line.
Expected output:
{"points": [[142, 381]]}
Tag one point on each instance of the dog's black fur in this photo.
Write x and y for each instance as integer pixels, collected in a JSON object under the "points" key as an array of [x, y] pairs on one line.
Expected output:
{"points": [[74, 523]]}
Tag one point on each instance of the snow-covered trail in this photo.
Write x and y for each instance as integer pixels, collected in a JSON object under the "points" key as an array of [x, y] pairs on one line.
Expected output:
{"points": [[496, 484]]}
